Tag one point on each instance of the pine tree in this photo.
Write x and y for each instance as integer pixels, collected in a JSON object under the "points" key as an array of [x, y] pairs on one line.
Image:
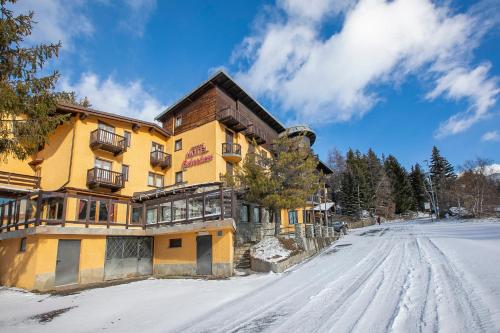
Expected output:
{"points": [[402, 193], [417, 181], [443, 177], [27, 97]]}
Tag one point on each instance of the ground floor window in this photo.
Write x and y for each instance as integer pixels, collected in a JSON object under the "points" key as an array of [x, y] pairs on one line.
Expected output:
{"points": [[99, 210], [255, 214], [175, 242], [244, 213], [151, 214], [292, 217]]}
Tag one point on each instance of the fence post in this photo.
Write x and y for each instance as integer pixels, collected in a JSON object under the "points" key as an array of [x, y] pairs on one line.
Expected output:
{"points": [[87, 212], [38, 213], [65, 204], [221, 203]]}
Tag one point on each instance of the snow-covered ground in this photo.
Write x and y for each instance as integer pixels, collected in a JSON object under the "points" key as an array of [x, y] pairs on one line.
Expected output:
{"points": [[271, 250], [414, 276]]}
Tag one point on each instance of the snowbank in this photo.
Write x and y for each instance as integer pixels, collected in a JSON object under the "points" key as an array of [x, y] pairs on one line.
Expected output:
{"points": [[270, 250]]}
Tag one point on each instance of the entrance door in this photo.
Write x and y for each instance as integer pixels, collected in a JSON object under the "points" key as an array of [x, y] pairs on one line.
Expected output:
{"points": [[204, 255], [68, 262], [128, 257]]}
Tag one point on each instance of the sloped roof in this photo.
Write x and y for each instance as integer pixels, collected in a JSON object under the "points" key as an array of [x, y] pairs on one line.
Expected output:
{"points": [[222, 80]]}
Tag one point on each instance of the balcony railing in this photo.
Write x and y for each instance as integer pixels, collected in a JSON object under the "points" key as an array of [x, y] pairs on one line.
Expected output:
{"points": [[232, 118], [56, 208], [102, 178], [161, 159], [19, 180], [108, 141], [231, 152], [256, 133]]}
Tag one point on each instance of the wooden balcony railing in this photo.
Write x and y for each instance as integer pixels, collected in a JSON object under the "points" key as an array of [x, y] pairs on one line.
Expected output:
{"points": [[108, 141], [57, 209], [161, 159], [256, 133], [19, 180], [102, 178], [232, 118]]}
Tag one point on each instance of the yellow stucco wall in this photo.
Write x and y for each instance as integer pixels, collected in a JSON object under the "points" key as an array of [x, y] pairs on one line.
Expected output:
{"points": [[17, 269], [222, 248]]}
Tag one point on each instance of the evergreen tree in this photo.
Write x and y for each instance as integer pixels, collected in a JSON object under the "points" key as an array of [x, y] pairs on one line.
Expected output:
{"points": [[417, 181], [443, 177], [27, 97], [375, 173], [402, 193]]}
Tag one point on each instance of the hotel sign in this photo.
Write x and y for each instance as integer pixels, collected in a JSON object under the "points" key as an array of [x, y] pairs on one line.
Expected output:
{"points": [[197, 155]]}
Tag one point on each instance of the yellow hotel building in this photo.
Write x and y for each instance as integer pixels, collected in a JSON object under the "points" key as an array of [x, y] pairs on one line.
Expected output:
{"points": [[111, 197]]}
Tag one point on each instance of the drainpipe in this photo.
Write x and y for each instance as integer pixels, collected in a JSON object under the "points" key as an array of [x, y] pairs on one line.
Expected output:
{"points": [[70, 158]]}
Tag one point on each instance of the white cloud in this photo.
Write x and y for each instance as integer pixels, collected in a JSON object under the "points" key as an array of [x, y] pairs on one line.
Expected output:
{"points": [[334, 78], [57, 20], [139, 12], [130, 99], [491, 136]]}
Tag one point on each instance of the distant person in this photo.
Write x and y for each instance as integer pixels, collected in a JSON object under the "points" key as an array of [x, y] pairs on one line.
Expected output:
{"points": [[378, 220]]}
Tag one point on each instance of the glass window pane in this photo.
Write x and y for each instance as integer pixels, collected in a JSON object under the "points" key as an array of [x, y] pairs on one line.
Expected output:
{"points": [[212, 205], [244, 213], [265, 215], [195, 207], [82, 210], [151, 214], [103, 212], [137, 215], [151, 179], [166, 212], [179, 208], [255, 215], [159, 181]]}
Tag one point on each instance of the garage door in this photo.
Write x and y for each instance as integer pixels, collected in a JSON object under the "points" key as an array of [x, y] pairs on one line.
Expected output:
{"points": [[128, 257]]}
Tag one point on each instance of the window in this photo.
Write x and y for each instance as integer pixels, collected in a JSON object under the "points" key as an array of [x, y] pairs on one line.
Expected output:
{"points": [[292, 217], [255, 214], [137, 215], [166, 212], [106, 127], [102, 164], [128, 138], [178, 121], [195, 206], [22, 245], [151, 214], [244, 213], [175, 242], [125, 172], [178, 177], [178, 145], [179, 210], [55, 208], [155, 179], [156, 147], [105, 211]]}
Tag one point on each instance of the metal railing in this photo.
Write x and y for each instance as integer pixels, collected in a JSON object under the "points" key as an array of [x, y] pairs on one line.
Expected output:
{"points": [[231, 149], [232, 118], [160, 158], [18, 179]]}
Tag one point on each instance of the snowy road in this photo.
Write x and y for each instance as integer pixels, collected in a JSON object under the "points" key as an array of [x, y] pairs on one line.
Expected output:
{"points": [[399, 277], [403, 277]]}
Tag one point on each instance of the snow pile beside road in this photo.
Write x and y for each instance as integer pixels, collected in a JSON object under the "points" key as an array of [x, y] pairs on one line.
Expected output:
{"points": [[270, 250]]}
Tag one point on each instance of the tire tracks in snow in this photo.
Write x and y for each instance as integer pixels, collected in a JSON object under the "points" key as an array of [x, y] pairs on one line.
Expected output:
{"points": [[456, 306]]}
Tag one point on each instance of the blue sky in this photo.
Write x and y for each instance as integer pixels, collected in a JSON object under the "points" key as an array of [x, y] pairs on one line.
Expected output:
{"points": [[398, 76]]}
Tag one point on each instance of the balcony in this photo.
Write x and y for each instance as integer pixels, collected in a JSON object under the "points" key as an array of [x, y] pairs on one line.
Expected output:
{"points": [[101, 178], [232, 119], [161, 159], [108, 141], [231, 152], [19, 180], [256, 133]]}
